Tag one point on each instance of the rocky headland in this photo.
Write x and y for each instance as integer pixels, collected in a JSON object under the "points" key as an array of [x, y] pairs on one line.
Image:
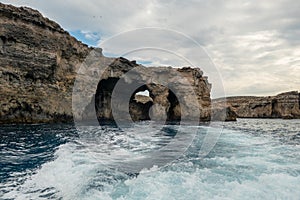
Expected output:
{"points": [[39, 63], [285, 105]]}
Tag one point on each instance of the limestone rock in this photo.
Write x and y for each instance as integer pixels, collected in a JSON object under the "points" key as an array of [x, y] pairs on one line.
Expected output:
{"points": [[139, 108], [39, 63], [223, 114], [285, 105], [176, 94]]}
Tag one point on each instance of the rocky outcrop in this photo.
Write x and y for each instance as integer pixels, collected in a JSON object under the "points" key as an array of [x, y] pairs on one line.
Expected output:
{"points": [[39, 64], [174, 94], [285, 105], [139, 107], [223, 114]]}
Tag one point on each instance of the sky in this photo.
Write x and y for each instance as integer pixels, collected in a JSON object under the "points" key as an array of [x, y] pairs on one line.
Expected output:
{"points": [[244, 47]]}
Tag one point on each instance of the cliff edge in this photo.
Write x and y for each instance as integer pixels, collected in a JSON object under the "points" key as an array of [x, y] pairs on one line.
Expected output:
{"points": [[285, 105], [38, 67], [38, 63]]}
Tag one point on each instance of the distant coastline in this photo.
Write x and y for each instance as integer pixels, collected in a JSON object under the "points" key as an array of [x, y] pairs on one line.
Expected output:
{"points": [[285, 105]]}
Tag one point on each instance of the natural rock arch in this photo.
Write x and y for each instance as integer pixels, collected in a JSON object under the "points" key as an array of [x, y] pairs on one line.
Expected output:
{"points": [[177, 94], [139, 106]]}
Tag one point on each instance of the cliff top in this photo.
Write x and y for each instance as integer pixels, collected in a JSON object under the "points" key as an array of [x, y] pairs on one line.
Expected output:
{"points": [[255, 97], [29, 15]]}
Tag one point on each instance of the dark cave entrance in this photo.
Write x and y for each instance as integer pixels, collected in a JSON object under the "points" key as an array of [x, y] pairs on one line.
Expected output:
{"points": [[141, 102], [174, 113], [103, 99]]}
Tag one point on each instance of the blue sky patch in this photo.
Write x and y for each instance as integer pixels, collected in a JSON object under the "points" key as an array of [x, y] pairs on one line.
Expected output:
{"points": [[86, 37]]}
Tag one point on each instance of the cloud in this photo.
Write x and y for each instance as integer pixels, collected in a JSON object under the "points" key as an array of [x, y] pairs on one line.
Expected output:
{"points": [[255, 45], [257, 63], [90, 36]]}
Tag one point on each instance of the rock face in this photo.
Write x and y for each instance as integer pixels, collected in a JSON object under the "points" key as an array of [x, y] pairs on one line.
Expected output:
{"points": [[285, 105], [139, 107], [174, 94], [39, 63], [223, 114]]}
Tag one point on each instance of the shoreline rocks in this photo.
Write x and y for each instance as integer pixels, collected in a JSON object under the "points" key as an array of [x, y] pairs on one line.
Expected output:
{"points": [[285, 105], [225, 114]]}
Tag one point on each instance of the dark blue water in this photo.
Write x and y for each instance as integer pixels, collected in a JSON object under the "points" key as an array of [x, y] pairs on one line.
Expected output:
{"points": [[252, 159], [25, 147]]}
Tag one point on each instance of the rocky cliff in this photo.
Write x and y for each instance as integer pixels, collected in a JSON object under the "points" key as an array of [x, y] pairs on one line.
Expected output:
{"points": [[174, 93], [39, 63], [285, 105]]}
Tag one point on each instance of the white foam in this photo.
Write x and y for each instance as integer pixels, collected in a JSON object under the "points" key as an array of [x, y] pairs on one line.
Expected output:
{"points": [[245, 167], [198, 185]]}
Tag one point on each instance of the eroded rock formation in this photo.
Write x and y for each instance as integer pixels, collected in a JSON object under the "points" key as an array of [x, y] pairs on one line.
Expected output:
{"points": [[225, 114], [285, 105], [174, 94], [39, 63]]}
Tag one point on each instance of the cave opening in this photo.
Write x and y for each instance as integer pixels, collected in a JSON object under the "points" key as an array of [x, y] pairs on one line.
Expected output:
{"points": [[174, 113], [141, 102], [103, 99], [143, 93], [274, 108], [144, 98]]}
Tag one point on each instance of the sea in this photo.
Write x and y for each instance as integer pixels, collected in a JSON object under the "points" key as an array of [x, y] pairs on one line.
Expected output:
{"points": [[246, 159]]}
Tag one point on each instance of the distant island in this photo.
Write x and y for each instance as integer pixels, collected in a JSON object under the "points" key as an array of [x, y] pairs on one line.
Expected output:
{"points": [[39, 63]]}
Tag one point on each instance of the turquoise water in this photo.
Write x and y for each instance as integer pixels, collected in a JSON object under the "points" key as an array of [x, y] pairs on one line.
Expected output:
{"points": [[252, 159]]}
